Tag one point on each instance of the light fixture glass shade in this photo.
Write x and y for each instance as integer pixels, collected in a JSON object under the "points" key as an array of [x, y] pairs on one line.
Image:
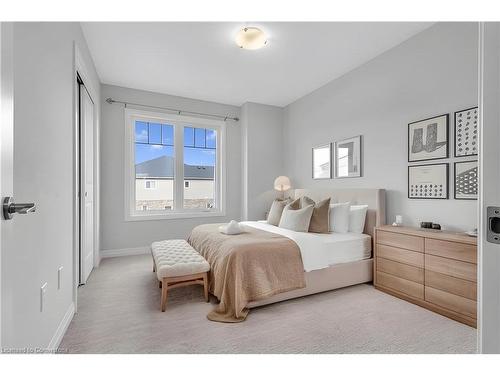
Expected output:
{"points": [[251, 38], [282, 183]]}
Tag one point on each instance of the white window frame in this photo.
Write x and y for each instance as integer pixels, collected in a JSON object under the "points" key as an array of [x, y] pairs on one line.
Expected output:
{"points": [[179, 122]]}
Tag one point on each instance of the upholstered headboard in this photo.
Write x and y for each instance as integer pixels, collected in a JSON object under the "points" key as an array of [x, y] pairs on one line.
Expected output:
{"points": [[374, 198]]}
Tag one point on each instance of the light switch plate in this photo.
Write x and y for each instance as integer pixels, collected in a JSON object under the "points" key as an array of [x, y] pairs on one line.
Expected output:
{"points": [[59, 277], [43, 291]]}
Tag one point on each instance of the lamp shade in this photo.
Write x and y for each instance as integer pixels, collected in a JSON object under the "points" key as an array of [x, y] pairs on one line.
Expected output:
{"points": [[282, 183]]}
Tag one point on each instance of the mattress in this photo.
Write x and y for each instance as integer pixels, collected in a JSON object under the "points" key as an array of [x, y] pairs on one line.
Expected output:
{"points": [[321, 250]]}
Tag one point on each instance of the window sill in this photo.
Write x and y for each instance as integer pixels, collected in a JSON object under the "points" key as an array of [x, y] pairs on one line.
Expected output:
{"points": [[174, 215]]}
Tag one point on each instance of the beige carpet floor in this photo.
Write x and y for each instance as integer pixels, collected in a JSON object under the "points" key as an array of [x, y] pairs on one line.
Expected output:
{"points": [[118, 312]]}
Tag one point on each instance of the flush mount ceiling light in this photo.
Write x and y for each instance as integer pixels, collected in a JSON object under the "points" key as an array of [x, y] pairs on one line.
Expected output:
{"points": [[251, 38]]}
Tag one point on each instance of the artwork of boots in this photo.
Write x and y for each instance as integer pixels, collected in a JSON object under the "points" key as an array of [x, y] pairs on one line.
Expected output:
{"points": [[431, 143], [418, 141]]}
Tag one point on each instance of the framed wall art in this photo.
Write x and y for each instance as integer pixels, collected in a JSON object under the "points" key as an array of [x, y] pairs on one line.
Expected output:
{"points": [[466, 132], [466, 178], [428, 139], [428, 181], [322, 162], [347, 157]]}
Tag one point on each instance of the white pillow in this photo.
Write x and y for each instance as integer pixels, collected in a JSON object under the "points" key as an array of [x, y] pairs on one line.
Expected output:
{"points": [[357, 217], [339, 217], [296, 220]]}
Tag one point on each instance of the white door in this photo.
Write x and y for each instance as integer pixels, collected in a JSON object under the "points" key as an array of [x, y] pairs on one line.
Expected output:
{"points": [[6, 158], [86, 184], [489, 195]]}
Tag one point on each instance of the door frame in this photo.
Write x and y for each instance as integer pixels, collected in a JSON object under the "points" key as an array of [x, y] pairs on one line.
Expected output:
{"points": [[81, 70], [489, 179], [6, 140]]}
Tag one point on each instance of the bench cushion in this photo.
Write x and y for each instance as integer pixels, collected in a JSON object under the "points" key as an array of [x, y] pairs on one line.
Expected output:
{"points": [[177, 258]]}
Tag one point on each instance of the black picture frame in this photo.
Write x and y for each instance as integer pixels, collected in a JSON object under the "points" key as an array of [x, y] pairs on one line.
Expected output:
{"points": [[455, 180], [447, 116], [429, 165], [455, 133], [331, 161]]}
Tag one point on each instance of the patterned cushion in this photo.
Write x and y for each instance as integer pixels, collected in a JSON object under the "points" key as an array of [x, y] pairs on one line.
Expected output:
{"points": [[177, 258]]}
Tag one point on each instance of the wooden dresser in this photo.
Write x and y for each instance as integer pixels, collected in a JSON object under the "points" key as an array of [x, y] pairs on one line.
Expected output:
{"points": [[431, 268]]}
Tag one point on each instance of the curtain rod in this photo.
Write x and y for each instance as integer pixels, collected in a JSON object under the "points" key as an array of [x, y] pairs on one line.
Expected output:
{"points": [[179, 111]]}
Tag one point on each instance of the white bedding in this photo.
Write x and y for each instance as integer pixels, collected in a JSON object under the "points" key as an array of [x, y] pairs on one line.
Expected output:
{"points": [[323, 250]]}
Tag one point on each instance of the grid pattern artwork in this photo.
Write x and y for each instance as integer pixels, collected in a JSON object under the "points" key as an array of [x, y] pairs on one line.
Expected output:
{"points": [[466, 132], [427, 191]]}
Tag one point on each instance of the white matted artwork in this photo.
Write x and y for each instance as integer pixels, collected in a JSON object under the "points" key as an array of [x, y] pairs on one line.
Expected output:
{"points": [[348, 157], [322, 162], [466, 176], [428, 181], [428, 139], [466, 132]]}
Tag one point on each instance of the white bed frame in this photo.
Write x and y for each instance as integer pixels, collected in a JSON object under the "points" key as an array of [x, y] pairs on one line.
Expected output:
{"points": [[344, 274]]}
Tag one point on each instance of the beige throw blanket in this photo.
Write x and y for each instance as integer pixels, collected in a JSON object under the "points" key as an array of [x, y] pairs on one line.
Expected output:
{"points": [[247, 267]]}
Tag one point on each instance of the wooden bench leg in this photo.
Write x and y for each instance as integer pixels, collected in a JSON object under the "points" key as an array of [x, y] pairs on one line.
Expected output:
{"points": [[164, 291], [205, 286], [154, 266]]}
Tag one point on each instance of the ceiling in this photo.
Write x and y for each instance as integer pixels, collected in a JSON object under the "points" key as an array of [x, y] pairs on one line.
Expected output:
{"points": [[201, 60]]}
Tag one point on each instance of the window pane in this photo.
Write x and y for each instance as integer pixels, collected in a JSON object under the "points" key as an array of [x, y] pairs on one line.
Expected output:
{"points": [[189, 136], [154, 177], [141, 131], [211, 138], [155, 133], [199, 175], [199, 137], [167, 135]]}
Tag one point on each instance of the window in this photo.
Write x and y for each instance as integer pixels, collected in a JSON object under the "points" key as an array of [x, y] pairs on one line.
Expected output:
{"points": [[174, 165]]}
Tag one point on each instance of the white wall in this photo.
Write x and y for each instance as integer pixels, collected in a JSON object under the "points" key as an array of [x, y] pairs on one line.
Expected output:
{"points": [[43, 173], [433, 73], [120, 234], [262, 157]]}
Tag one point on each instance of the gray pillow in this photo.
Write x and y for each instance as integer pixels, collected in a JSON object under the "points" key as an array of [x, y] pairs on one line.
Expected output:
{"points": [[276, 210], [296, 220]]}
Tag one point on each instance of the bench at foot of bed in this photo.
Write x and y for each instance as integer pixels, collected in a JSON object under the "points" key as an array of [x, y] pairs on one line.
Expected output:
{"points": [[177, 264]]}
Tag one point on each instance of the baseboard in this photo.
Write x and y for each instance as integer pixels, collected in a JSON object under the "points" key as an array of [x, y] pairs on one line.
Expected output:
{"points": [[62, 328], [124, 252]]}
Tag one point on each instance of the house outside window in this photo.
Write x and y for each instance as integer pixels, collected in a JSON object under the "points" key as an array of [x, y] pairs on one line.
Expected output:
{"points": [[174, 165]]}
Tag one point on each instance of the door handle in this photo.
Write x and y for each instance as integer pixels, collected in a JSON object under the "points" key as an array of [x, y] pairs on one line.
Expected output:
{"points": [[10, 208], [493, 231]]}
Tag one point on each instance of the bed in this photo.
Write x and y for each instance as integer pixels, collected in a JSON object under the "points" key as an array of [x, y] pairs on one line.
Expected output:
{"points": [[314, 263], [340, 274]]}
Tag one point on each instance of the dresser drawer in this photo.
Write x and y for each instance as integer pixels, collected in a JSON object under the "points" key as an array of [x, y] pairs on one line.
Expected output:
{"points": [[404, 241], [412, 258], [450, 301], [401, 270], [453, 250], [450, 284], [455, 268], [407, 287]]}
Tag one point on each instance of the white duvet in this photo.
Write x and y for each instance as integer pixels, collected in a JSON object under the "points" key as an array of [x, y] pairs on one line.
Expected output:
{"points": [[323, 250]]}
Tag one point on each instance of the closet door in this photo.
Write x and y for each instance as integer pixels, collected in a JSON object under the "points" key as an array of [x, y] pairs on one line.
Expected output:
{"points": [[86, 185]]}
